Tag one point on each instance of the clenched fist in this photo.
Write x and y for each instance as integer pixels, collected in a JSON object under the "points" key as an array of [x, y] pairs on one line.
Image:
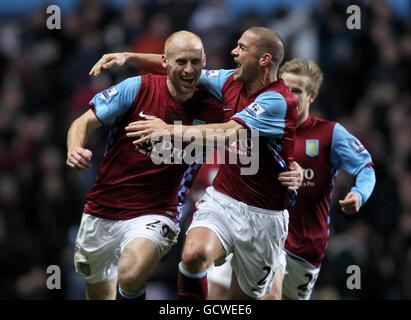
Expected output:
{"points": [[351, 203], [79, 158]]}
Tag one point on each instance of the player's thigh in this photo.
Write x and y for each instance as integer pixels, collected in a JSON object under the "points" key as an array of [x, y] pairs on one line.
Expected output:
{"points": [[137, 261], [146, 239], [94, 258], [102, 291], [299, 280]]}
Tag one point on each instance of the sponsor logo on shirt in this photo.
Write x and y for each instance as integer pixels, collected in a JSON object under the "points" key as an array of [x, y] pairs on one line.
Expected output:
{"points": [[312, 147], [357, 145], [255, 109], [109, 93], [212, 73], [309, 176]]}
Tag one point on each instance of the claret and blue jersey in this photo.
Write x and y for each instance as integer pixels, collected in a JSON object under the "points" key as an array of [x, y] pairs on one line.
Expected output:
{"points": [[272, 111], [322, 148], [129, 184]]}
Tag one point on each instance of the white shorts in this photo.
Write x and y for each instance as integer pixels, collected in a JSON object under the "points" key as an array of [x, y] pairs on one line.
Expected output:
{"points": [[221, 274], [299, 277], [255, 236], [100, 242]]}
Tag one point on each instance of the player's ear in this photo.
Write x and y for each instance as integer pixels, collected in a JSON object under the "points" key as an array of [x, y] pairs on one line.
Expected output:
{"points": [[265, 59], [204, 60], [164, 61], [312, 97]]}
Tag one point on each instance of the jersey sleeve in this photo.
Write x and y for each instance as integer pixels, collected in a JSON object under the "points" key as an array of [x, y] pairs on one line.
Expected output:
{"points": [[348, 153], [214, 80], [364, 183], [266, 114], [116, 100]]}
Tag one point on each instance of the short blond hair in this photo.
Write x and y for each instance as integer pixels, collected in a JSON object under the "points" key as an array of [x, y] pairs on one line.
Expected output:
{"points": [[306, 68]]}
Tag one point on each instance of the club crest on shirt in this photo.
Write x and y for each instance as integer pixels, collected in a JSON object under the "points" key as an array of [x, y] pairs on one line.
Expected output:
{"points": [[312, 147], [212, 73], [357, 145], [109, 93], [255, 109]]}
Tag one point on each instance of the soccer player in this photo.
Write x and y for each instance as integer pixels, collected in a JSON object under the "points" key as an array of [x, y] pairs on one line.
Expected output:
{"points": [[322, 148], [131, 215], [244, 214]]}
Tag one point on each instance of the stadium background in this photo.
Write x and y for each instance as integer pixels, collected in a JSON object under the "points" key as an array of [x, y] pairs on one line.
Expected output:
{"points": [[44, 85]]}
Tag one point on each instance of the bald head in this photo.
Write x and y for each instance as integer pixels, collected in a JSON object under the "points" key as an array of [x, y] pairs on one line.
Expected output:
{"points": [[183, 59], [182, 40], [268, 41]]}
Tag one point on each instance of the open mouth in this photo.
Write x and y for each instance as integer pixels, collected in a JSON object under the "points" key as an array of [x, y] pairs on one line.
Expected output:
{"points": [[238, 66], [189, 81]]}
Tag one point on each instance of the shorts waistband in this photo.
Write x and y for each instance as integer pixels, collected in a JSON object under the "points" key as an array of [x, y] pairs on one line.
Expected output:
{"points": [[214, 193]]}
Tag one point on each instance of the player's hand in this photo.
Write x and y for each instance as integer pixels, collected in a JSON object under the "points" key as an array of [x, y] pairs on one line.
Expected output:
{"points": [[79, 158], [351, 203], [108, 61], [144, 129], [293, 178]]}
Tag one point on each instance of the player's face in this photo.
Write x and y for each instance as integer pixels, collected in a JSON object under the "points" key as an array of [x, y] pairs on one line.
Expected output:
{"points": [[246, 57], [184, 69], [298, 85]]}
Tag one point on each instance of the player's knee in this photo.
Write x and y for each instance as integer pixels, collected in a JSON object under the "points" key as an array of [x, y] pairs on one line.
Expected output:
{"points": [[129, 276], [196, 257]]}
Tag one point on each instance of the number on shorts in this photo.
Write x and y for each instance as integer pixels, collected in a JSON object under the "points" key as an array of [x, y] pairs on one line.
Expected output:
{"points": [[305, 288], [165, 229], [152, 225], [264, 279]]}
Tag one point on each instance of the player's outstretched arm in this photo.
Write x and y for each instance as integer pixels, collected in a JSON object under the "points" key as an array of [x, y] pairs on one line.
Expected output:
{"points": [[146, 62], [143, 130], [78, 157]]}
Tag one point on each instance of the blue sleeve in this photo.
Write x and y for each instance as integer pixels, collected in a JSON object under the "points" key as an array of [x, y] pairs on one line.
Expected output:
{"points": [[116, 100], [214, 80], [266, 114], [348, 153], [364, 183]]}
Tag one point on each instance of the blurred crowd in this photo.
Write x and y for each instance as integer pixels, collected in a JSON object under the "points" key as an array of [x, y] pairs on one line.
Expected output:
{"points": [[44, 86]]}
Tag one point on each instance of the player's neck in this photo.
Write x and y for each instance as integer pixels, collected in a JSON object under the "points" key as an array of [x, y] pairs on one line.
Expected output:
{"points": [[301, 119], [260, 83], [178, 96]]}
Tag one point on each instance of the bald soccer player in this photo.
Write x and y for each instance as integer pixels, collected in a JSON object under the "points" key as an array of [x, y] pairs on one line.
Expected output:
{"points": [[241, 214], [131, 215]]}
